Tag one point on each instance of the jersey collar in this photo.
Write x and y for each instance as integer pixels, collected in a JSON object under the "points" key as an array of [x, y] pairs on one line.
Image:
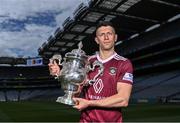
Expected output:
{"points": [[106, 60]]}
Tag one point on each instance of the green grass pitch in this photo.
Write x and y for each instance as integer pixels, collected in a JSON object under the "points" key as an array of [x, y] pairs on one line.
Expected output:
{"points": [[56, 112]]}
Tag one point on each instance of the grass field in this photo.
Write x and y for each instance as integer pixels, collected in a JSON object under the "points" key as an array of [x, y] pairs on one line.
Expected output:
{"points": [[55, 112]]}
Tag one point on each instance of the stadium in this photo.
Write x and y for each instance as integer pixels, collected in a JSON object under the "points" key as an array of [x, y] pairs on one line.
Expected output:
{"points": [[148, 35]]}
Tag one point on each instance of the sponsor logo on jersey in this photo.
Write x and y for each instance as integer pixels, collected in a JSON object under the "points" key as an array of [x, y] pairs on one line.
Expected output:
{"points": [[112, 70], [94, 97], [98, 86], [128, 77]]}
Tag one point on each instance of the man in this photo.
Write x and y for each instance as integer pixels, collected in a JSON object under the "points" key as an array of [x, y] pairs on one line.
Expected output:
{"points": [[111, 91]]}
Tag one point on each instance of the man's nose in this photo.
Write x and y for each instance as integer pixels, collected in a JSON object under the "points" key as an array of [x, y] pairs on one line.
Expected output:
{"points": [[106, 37]]}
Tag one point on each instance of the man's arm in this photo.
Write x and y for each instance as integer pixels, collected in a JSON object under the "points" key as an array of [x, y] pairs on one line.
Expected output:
{"points": [[121, 99]]}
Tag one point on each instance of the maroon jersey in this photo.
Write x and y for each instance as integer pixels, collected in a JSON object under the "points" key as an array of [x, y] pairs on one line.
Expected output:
{"points": [[116, 69]]}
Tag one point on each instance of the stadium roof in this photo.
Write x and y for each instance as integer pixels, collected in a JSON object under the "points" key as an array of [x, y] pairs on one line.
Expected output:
{"points": [[131, 18]]}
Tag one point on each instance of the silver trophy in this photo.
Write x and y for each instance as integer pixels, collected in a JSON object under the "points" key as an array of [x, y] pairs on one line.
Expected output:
{"points": [[74, 73]]}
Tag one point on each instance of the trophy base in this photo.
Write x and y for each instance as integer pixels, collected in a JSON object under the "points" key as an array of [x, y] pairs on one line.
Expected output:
{"points": [[66, 99]]}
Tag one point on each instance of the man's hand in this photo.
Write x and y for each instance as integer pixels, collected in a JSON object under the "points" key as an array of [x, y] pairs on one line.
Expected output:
{"points": [[81, 103], [54, 69]]}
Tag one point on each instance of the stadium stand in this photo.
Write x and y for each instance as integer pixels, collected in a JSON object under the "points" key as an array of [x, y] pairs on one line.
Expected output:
{"points": [[25, 83], [158, 85], [148, 35]]}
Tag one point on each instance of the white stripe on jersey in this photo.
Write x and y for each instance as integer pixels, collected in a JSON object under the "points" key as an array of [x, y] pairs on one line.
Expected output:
{"points": [[118, 57]]}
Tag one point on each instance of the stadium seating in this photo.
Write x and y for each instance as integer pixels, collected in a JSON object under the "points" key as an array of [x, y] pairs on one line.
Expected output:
{"points": [[19, 83], [157, 85]]}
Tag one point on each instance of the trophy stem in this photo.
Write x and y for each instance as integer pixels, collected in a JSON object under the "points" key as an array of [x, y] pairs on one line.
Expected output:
{"points": [[67, 98]]}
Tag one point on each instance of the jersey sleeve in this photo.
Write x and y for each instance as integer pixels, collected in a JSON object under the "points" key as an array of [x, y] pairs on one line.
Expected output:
{"points": [[125, 72]]}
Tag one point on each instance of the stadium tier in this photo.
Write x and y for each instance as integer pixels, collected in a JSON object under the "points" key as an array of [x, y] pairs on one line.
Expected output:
{"points": [[27, 83]]}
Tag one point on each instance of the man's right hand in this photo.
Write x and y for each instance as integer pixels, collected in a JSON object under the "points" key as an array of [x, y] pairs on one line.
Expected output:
{"points": [[54, 68]]}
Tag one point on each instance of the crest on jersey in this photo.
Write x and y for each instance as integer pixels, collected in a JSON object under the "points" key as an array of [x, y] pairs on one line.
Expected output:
{"points": [[112, 70]]}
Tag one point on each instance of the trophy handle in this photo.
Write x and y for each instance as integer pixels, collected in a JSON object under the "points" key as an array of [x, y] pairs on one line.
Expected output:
{"points": [[100, 71], [56, 58]]}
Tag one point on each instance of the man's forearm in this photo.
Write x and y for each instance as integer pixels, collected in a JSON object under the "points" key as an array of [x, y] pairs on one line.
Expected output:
{"points": [[110, 102]]}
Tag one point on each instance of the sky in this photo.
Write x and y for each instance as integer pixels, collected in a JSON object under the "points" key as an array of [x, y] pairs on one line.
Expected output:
{"points": [[26, 24]]}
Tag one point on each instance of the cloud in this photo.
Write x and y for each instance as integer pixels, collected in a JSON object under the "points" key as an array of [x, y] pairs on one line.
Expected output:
{"points": [[20, 9], [26, 24], [22, 43]]}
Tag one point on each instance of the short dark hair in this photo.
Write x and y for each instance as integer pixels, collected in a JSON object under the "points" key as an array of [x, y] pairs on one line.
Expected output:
{"points": [[104, 23]]}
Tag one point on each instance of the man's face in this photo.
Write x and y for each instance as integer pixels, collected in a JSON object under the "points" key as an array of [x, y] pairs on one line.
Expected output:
{"points": [[106, 37]]}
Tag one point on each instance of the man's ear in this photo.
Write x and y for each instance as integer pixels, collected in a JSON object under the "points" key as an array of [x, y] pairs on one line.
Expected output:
{"points": [[96, 40], [116, 37]]}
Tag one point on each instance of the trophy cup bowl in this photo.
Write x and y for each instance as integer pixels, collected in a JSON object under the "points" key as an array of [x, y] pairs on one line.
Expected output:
{"points": [[73, 73], [72, 77]]}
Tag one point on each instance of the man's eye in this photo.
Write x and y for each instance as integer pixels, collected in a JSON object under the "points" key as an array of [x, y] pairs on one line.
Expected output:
{"points": [[109, 33], [101, 34]]}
